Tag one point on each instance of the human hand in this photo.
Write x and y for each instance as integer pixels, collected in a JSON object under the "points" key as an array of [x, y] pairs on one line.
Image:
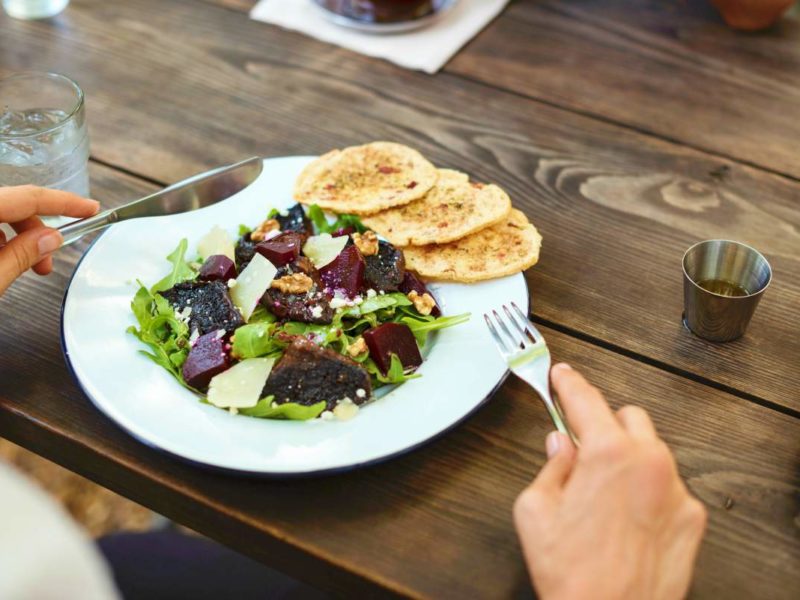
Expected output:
{"points": [[34, 243], [612, 519]]}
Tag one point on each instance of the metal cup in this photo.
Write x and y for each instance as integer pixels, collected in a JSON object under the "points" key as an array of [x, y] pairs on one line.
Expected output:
{"points": [[714, 316]]}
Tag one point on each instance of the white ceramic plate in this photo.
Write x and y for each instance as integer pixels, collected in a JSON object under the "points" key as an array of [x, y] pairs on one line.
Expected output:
{"points": [[461, 371]]}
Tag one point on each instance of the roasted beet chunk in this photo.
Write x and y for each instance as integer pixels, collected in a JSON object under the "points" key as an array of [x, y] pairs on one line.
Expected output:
{"points": [[307, 374], [211, 305], [412, 283], [283, 248], [346, 272], [386, 269], [218, 268], [309, 307], [295, 220], [206, 359], [392, 338], [245, 250]]}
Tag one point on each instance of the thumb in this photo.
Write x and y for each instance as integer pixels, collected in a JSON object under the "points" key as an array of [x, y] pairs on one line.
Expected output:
{"points": [[560, 460], [24, 251]]}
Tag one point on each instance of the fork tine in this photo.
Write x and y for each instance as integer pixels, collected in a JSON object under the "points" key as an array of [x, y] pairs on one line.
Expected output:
{"points": [[522, 328], [528, 323], [501, 343], [515, 344]]}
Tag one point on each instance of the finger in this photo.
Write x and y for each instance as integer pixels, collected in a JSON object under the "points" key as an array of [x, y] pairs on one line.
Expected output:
{"points": [[560, 460], [584, 405], [44, 266], [24, 251], [637, 422], [20, 202]]}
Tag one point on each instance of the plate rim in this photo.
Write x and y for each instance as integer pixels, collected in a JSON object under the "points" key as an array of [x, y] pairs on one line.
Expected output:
{"points": [[243, 472]]}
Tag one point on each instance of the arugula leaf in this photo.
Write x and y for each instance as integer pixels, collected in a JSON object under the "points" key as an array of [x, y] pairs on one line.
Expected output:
{"points": [[273, 213], [290, 410], [244, 230], [317, 216], [181, 271], [262, 315], [379, 302], [165, 335], [254, 340], [395, 374], [421, 328]]}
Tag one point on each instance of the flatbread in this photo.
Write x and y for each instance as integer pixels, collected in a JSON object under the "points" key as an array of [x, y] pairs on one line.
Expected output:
{"points": [[365, 179], [503, 249], [452, 209]]}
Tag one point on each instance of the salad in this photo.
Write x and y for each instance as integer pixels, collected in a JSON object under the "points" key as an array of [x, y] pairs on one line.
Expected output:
{"points": [[298, 318]]}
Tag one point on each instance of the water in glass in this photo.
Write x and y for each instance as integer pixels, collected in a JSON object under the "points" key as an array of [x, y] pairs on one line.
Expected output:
{"points": [[34, 9]]}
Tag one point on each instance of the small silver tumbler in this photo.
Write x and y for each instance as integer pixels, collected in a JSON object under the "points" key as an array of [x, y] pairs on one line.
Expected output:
{"points": [[722, 284]]}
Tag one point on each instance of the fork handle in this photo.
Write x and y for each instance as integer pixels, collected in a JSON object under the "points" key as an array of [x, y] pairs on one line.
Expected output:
{"points": [[557, 415]]}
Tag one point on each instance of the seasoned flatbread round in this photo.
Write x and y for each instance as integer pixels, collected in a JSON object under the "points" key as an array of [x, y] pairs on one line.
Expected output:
{"points": [[503, 249], [365, 179], [452, 209]]}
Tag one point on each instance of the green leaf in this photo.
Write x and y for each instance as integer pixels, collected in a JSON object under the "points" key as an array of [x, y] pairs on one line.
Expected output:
{"points": [[273, 213], [379, 302], [254, 340], [421, 328], [262, 315], [244, 230], [166, 336], [395, 374], [317, 216], [181, 271], [290, 410]]}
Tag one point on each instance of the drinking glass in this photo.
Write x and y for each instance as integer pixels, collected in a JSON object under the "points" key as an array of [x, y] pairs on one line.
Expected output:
{"points": [[43, 135], [34, 9]]}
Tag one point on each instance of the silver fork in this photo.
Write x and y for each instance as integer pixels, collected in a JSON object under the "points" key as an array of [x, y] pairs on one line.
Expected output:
{"points": [[528, 358]]}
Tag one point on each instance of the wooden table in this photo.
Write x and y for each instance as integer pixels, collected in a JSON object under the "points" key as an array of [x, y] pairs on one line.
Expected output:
{"points": [[626, 130]]}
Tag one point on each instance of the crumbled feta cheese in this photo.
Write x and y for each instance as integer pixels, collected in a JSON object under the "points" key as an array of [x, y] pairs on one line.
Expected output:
{"points": [[326, 415], [274, 405], [361, 393], [382, 293], [337, 302], [220, 334], [233, 410], [358, 300], [316, 312], [193, 337], [346, 409], [371, 293], [231, 283], [183, 315]]}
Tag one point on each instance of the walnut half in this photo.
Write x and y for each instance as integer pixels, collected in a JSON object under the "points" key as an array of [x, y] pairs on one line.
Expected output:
{"points": [[366, 242], [424, 303], [260, 232], [298, 283]]}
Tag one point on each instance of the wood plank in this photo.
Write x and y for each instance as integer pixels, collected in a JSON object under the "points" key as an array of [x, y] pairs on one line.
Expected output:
{"points": [[178, 87], [672, 69], [373, 531]]}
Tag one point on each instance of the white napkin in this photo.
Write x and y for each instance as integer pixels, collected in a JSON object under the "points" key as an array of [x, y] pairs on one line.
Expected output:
{"points": [[426, 49]]}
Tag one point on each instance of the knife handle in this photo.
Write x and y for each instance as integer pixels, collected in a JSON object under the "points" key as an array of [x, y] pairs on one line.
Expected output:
{"points": [[74, 231]]}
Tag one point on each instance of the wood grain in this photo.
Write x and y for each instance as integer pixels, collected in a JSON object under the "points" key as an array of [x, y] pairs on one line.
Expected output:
{"points": [[435, 523], [177, 87], [673, 69], [670, 68]]}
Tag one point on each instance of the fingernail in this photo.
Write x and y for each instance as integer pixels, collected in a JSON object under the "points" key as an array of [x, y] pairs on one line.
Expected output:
{"points": [[562, 367], [49, 242], [552, 444]]}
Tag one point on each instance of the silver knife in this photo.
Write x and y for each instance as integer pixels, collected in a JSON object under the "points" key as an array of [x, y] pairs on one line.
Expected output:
{"points": [[195, 192]]}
